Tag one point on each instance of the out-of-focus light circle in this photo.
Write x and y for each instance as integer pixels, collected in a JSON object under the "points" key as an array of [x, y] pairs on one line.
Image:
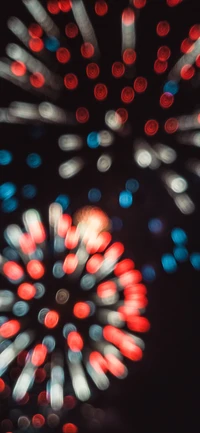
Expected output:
{"points": [[151, 127], [194, 32], [93, 140], [35, 269], [129, 56], [87, 50], [26, 291], [169, 263], [155, 225], [38, 420], [82, 115], [63, 200], [62, 296], [132, 185], [127, 95], [148, 273], [117, 223], [187, 72], [23, 422], [100, 91], [128, 17], [29, 191], [160, 67], [51, 319], [105, 138], [63, 55], [71, 81], [69, 327], [52, 44], [40, 290], [53, 420], [104, 163], [163, 53], [139, 3], [65, 5], [71, 30], [92, 70], [112, 120], [143, 158], [34, 160], [9, 205], [7, 190], [37, 80], [166, 100], [171, 125], [101, 8], [18, 68], [179, 184], [123, 114], [140, 84], [5, 157], [95, 332], [172, 3], [171, 87], [58, 270], [180, 253], [163, 28], [179, 236], [87, 282], [11, 254], [20, 308], [49, 342], [94, 195], [35, 30], [195, 260], [187, 46], [125, 199], [36, 44], [69, 428], [52, 6], [118, 69]]}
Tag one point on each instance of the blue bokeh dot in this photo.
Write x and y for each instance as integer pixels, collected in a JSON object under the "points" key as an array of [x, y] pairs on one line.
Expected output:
{"points": [[5, 157], [63, 200], [93, 140], [94, 195], [169, 263], [171, 87], [148, 273], [9, 205], [195, 261], [29, 191], [178, 236], [52, 44], [125, 199], [155, 225], [34, 160], [132, 185], [7, 190], [181, 253]]}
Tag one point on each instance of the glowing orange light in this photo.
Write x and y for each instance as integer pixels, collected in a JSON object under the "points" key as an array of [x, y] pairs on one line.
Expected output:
{"points": [[114, 365], [128, 17], [51, 319], [124, 266], [118, 69], [114, 251], [72, 237], [106, 289], [127, 95], [123, 114], [70, 263], [64, 223], [187, 72], [92, 70], [82, 115], [173, 3], [35, 269], [63, 55], [138, 324], [35, 30], [18, 68], [65, 5], [2, 385], [171, 125], [74, 341], [139, 3], [100, 91], [9, 328], [70, 81], [36, 44], [94, 263], [38, 420], [69, 428], [163, 28], [26, 291], [37, 80], [52, 6], [151, 127], [163, 53], [71, 30], [101, 8], [160, 67], [94, 218], [129, 56], [194, 32], [98, 362], [166, 100], [81, 310], [39, 355], [27, 244], [187, 46], [87, 50], [37, 232]]}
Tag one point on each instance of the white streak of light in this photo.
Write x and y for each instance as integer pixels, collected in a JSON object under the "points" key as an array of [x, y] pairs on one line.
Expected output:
{"points": [[24, 110], [13, 234], [53, 114], [24, 381], [56, 387], [70, 142], [100, 380], [55, 212], [42, 17], [184, 203], [84, 24], [12, 351], [7, 300], [188, 58], [71, 168], [128, 35], [19, 29], [79, 382]]}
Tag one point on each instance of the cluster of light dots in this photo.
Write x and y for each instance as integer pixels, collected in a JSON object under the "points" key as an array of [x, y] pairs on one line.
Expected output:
{"points": [[110, 292]]}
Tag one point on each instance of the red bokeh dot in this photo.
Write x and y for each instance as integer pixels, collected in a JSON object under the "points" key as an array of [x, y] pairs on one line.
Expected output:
{"points": [[198, 61], [13, 271], [9, 329], [171, 125], [128, 17], [160, 67], [151, 127], [129, 56], [70, 81], [51, 319], [101, 8], [162, 28], [187, 46], [70, 263], [82, 115], [173, 3], [37, 80], [163, 53], [75, 342], [2, 385], [81, 310], [35, 269], [52, 6], [27, 244], [194, 32], [36, 44], [92, 70], [65, 5], [140, 84], [118, 69], [139, 4], [187, 72], [18, 68], [38, 420], [42, 398], [123, 114], [166, 100], [106, 289], [71, 30], [26, 291], [69, 428], [87, 50], [100, 91], [35, 30], [63, 55], [69, 401], [127, 95]]}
